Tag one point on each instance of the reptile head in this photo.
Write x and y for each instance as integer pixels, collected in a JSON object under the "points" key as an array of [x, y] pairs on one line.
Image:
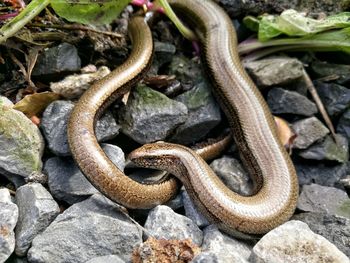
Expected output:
{"points": [[160, 155]]}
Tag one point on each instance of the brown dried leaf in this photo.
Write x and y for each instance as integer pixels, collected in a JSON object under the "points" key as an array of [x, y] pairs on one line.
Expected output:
{"points": [[165, 251], [36, 103]]}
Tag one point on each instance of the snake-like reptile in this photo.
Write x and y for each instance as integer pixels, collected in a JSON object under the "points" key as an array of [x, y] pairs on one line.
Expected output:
{"points": [[250, 120]]}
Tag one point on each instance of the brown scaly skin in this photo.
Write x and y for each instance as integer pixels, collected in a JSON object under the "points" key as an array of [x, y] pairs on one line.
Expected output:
{"points": [[253, 129], [89, 156], [250, 120]]}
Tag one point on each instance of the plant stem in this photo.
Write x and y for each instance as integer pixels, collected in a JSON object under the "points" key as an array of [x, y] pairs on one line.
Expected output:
{"points": [[185, 31], [27, 14]]}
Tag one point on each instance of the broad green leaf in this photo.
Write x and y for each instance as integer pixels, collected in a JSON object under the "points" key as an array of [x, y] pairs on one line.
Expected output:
{"points": [[293, 23], [89, 11]]}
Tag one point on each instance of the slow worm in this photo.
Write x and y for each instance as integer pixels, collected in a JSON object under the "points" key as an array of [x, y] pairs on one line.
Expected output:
{"points": [[253, 129], [86, 151], [249, 118]]}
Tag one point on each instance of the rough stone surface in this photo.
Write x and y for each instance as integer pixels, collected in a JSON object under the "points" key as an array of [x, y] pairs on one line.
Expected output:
{"points": [[54, 125], [231, 172], [294, 242], [203, 114], [285, 101], [150, 116], [106, 259], [335, 98], [324, 69], [67, 183], [308, 131], [321, 173], [224, 248], [317, 198], [86, 230], [335, 228], [328, 149], [343, 126], [58, 59], [37, 209], [163, 222], [192, 212], [274, 71], [21, 143], [187, 71], [8, 220]]}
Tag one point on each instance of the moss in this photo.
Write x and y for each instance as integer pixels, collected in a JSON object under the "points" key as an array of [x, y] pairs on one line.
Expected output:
{"points": [[344, 209]]}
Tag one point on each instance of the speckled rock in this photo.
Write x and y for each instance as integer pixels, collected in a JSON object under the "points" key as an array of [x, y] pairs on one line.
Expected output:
{"points": [[335, 98], [8, 220], [317, 198], [67, 183], [54, 126], [106, 259], [328, 149], [21, 143], [37, 209], [324, 69], [192, 212], [274, 71], [231, 172], [321, 173], [308, 131], [285, 101], [343, 126], [187, 71], [86, 230], [335, 228], [59, 59], [150, 116], [223, 248], [203, 114], [163, 222], [294, 242]]}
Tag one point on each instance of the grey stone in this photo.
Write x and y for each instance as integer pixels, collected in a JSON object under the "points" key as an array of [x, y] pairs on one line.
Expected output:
{"points": [[163, 222], [203, 114], [21, 143], [335, 228], [328, 149], [231, 172], [343, 126], [324, 69], [37, 209], [225, 248], [294, 242], [106, 259], [58, 59], [187, 71], [86, 230], [66, 181], [336, 98], [164, 53], [274, 71], [321, 173], [192, 212], [206, 257], [54, 126], [285, 101], [317, 198], [150, 116], [106, 127], [308, 131], [8, 220]]}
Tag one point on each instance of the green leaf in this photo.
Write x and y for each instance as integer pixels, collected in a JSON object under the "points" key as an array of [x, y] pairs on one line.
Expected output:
{"points": [[293, 23], [89, 11]]}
